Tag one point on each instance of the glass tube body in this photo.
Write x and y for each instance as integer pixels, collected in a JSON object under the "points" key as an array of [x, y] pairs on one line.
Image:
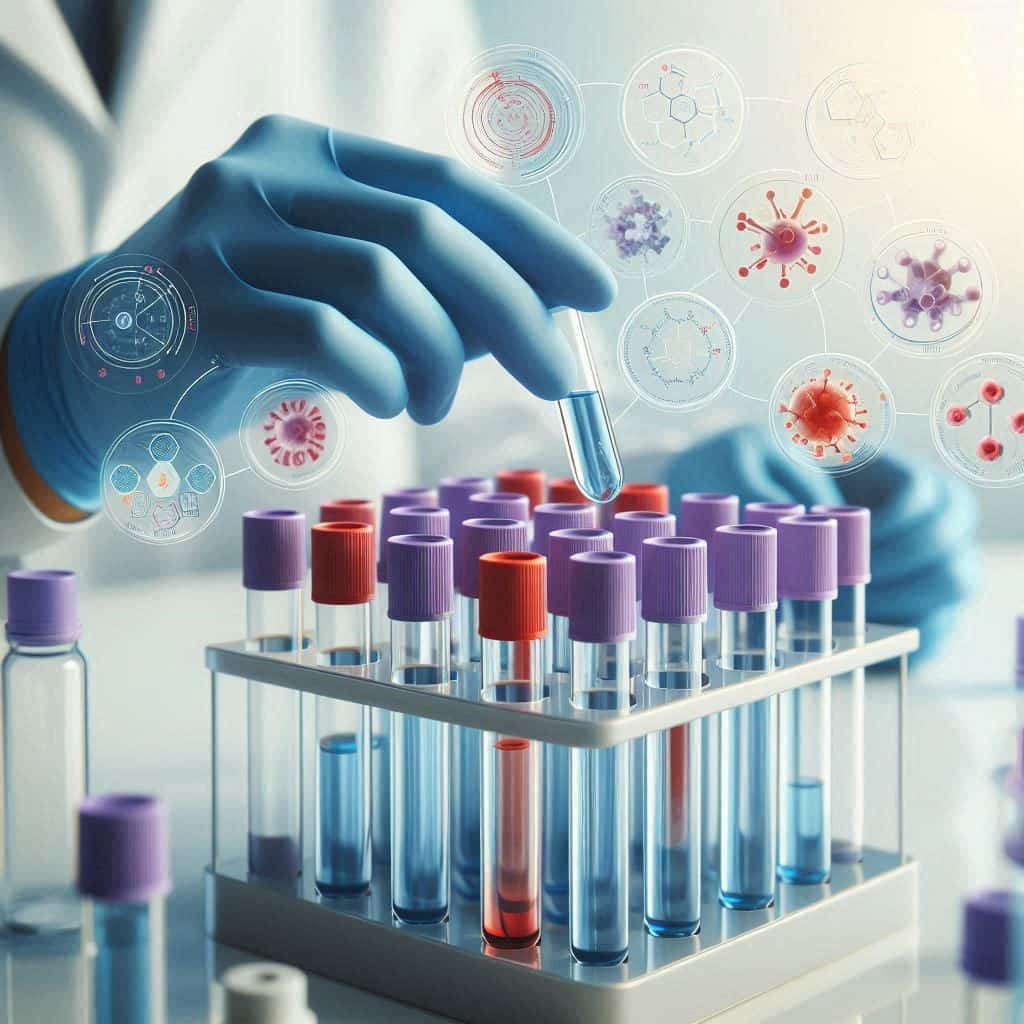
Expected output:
{"points": [[466, 758], [710, 736], [848, 615], [599, 829], [637, 770], [805, 752], [511, 795], [274, 623], [672, 819], [380, 744], [749, 765], [45, 765], [420, 819], [343, 800], [556, 778]]}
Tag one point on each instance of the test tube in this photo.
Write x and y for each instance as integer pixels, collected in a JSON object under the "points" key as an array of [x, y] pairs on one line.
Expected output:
{"points": [[746, 597], [479, 537], [674, 602], [849, 624], [274, 575], [807, 587], [635, 497], [343, 585], [992, 920], [513, 624], [769, 513], [500, 505], [530, 482], [124, 869], [264, 993], [420, 598], [589, 441], [349, 510], [564, 489], [602, 625], [562, 545], [552, 516]]}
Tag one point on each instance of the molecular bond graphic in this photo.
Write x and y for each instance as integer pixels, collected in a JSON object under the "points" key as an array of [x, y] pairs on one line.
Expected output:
{"points": [[832, 413]]}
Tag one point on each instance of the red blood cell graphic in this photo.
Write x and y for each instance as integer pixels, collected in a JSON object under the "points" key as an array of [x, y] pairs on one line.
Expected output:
{"points": [[295, 432], [989, 449], [1017, 422], [786, 241], [992, 391], [824, 415], [957, 414]]}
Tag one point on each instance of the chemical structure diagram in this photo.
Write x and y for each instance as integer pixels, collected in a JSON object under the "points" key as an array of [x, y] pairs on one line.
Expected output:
{"points": [[684, 114]]}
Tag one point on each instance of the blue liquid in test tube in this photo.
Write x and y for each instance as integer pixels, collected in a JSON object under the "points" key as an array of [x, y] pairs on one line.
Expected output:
{"points": [[123, 971]]}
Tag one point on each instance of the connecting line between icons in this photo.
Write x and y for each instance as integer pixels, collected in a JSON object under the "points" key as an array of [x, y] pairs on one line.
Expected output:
{"points": [[554, 202], [592, 85], [615, 422], [743, 394], [821, 317], [181, 397], [244, 469]]}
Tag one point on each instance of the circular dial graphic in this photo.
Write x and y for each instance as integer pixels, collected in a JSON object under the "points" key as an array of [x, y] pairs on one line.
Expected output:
{"points": [[677, 351], [162, 482], [682, 111], [858, 124], [639, 226], [292, 433], [928, 290], [832, 413], [977, 419], [130, 323], [516, 113]]}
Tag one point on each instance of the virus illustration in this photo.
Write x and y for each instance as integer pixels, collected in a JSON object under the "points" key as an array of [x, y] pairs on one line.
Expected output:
{"points": [[785, 242], [295, 432], [990, 394], [638, 227]]}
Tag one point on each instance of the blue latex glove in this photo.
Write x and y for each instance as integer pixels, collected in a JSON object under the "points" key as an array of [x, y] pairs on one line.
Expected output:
{"points": [[923, 553], [373, 269]]}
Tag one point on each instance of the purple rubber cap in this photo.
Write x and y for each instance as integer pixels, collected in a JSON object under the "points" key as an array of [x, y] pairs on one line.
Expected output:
{"points": [[423, 497], [991, 917], [562, 545], [602, 597], [420, 577], [274, 550], [483, 537], [123, 848], [701, 514], [768, 513], [674, 580], [409, 519], [807, 567], [500, 505], [560, 516], [454, 493], [42, 607], [631, 529], [854, 523], [746, 561]]}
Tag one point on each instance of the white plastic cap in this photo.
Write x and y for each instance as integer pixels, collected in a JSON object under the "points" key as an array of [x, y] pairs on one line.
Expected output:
{"points": [[265, 993]]}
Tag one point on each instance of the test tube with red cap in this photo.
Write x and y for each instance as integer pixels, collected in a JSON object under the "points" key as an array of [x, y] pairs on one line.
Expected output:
{"points": [[513, 624], [564, 489], [530, 482], [635, 497]]}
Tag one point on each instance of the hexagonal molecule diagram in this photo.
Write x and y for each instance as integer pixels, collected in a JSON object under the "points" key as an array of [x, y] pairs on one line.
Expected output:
{"points": [[849, 103], [683, 112]]}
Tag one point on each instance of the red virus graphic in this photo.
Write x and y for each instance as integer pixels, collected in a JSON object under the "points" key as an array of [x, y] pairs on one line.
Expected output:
{"points": [[991, 393], [989, 449], [786, 242], [295, 432]]}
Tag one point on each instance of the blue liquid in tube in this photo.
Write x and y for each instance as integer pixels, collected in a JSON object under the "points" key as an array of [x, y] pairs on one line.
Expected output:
{"points": [[343, 857], [122, 977], [804, 857]]}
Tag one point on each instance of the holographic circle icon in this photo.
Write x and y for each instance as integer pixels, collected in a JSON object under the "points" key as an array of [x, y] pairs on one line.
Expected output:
{"points": [[779, 238], [677, 351], [832, 413], [162, 482], [859, 124], [130, 323], [516, 113], [292, 433], [639, 226], [682, 111], [929, 290], [977, 419]]}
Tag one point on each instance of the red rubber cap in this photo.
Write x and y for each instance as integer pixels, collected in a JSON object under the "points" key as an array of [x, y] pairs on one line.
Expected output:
{"points": [[513, 590], [563, 491], [530, 482], [344, 563], [349, 510], [642, 498]]}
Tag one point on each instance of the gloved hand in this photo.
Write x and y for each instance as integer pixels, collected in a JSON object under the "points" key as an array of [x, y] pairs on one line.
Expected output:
{"points": [[923, 555], [373, 269]]}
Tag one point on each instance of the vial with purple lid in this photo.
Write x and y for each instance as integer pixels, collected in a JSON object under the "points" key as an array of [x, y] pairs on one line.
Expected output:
{"points": [[770, 513], [992, 923], [45, 750], [274, 577]]}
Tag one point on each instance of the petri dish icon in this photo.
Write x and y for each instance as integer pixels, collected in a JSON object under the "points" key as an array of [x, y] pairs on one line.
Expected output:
{"points": [[977, 419], [832, 413], [929, 290], [639, 226], [682, 111], [162, 482], [516, 113], [292, 433], [677, 351]]}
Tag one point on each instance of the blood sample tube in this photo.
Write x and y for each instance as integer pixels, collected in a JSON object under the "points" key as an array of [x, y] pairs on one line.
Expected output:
{"points": [[264, 993], [635, 497], [349, 510], [602, 625], [274, 571], [674, 601], [513, 624], [564, 489], [768, 513], [531, 482], [405, 497]]}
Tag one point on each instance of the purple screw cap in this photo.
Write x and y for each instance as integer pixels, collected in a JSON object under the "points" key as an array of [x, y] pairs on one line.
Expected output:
{"points": [[274, 550], [483, 537], [560, 516], [500, 505], [768, 513], [854, 525], [991, 917], [421, 497], [562, 545], [123, 848], [425, 519], [420, 570], [807, 567], [454, 493], [602, 597], [631, 529], [42, 607], [674, 580], [746, 560], [701, 514]]}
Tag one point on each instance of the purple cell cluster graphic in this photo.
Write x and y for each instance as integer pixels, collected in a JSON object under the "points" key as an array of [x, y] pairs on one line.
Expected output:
{"points": [[639, 227]]}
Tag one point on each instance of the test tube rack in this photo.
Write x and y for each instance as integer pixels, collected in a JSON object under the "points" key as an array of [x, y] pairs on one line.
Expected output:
{"points": [[736, 956]]}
